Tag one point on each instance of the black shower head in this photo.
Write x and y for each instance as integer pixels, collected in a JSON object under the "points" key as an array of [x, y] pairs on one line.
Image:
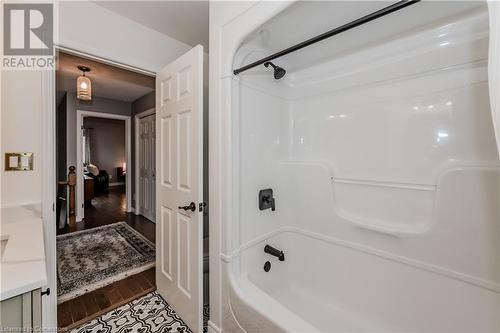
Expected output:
{"points": [[278, 71]]}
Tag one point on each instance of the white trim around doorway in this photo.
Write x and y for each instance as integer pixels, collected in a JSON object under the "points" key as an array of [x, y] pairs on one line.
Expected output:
{"points": [[80, 114], [49, 302], [137, 118]]}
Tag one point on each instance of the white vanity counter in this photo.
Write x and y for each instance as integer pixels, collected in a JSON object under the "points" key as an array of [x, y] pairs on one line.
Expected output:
{"points": [[22, 251]]}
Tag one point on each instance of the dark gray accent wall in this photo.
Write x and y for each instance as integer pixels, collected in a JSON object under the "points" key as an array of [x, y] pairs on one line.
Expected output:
{"points": [[144, 103], [98, 104], [107, 141]]}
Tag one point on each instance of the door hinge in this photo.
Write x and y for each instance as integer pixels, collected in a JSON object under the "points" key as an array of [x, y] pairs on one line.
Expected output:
{"points": [[46, 292]]}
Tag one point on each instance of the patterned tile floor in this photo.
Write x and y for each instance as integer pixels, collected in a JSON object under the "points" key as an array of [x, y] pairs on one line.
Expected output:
{"points": [[150, 313]]}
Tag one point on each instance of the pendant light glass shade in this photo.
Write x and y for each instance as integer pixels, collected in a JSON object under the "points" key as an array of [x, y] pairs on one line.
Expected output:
{"points": [[83, 86]]}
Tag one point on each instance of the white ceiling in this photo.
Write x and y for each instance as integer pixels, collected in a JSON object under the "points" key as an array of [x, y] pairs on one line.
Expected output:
{"points": [[186, 21], [107, 81]]}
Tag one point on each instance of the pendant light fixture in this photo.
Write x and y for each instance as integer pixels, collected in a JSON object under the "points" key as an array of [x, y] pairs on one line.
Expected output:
{"points": [[83, 85]]}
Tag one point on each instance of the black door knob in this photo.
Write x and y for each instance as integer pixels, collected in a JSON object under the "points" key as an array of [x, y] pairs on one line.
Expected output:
{"points": [[191, 207]]}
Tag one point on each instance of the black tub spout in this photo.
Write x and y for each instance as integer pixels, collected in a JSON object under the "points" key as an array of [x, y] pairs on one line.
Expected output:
{"points": [[274, 252]]}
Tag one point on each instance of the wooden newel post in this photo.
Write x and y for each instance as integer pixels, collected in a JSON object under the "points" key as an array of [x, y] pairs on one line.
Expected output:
{"points": [[72, 198]]}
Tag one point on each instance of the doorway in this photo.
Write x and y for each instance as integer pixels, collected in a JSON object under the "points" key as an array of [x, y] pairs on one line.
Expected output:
{"points": [[107, 258], [103, 146], [187, 129]]}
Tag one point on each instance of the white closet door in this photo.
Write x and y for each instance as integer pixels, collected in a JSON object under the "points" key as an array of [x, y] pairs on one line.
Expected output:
{"points": [[152, 168], [142, 167], [147, 166]]}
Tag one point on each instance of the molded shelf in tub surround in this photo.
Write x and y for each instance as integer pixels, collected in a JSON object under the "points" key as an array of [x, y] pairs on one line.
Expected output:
{"points": [[23, 251], [386, 207]]}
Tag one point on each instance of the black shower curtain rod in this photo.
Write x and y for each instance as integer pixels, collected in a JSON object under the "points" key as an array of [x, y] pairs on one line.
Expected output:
{"points": [[362, 20]]}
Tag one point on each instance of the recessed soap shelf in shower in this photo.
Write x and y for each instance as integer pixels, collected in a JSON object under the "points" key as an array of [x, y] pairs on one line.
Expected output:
{"points": [[386, 207]]}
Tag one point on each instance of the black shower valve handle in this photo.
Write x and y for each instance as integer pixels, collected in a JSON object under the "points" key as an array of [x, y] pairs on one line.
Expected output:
{"points": [[270, 200], [266, 199]]}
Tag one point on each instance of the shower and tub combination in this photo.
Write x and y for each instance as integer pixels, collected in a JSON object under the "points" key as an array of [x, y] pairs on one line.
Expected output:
{"points": [[365, 177]]}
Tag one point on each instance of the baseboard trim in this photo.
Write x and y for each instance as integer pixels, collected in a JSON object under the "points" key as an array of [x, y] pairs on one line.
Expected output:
{"points": [[116, 184]]}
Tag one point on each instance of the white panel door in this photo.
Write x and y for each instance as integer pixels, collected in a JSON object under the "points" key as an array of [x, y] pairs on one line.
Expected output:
{"points": [[143, 179], [152, 163], [147, 166], [179, 187]]}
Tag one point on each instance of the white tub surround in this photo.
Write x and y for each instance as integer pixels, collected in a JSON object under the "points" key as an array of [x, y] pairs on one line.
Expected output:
{"points": [[23, 253], [381, 153]]}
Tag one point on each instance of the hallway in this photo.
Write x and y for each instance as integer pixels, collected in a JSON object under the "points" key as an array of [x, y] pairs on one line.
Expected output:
{"points": [[106, 209]]}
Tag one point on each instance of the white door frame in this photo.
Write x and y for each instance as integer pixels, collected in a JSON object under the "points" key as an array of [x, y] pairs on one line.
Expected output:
{"points": [[137, 119], [49, 302], [80, 114]]}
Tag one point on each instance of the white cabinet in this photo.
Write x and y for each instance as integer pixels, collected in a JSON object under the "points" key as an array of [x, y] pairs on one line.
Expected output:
{"points": [[22, 313], [22, 269]]}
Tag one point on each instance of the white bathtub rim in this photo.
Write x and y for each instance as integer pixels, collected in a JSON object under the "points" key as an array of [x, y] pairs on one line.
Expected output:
{"points": [[478, 282], [264, 305]]}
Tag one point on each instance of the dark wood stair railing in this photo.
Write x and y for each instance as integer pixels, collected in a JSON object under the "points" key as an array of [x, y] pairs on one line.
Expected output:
{"points": [[71, 184]]}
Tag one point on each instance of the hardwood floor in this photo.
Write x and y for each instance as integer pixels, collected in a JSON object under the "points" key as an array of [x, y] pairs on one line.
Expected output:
{"points": [[109, 208], [106, 209], [80, 310]]}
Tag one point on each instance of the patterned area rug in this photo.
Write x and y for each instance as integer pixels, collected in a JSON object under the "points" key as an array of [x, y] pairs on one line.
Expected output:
{"points": [[91, 259], [150, 313]]}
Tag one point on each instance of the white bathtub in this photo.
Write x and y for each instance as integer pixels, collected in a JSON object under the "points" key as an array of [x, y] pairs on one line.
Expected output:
{"points": [[326, 285], [381, 154]]}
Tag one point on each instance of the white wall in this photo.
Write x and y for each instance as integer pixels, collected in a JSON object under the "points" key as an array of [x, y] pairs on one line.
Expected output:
{"points": [[85, 27], [21, 111]]}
